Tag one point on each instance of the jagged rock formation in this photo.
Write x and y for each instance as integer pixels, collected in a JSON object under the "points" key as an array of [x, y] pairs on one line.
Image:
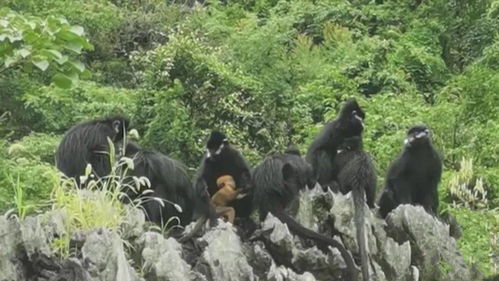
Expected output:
{"points": [[411, 245]]}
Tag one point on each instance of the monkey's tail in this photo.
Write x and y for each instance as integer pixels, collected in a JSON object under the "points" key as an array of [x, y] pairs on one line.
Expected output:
{"points": [[359, 219], [304, 232], [358, 185]]}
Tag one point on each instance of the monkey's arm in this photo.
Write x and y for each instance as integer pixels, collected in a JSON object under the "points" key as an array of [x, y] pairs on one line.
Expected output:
{"points": [[202, 206], [386, 202], [242, 165], [430, 201], [203, 210], [402, 189], [323, 167], [396, 192]]}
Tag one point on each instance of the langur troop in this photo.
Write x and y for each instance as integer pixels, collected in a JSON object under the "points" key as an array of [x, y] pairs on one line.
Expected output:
{"points": [[226, 187]]}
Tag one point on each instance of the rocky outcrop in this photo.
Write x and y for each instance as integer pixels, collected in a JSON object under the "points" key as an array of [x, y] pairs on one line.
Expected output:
{"points": [[410, 245], [27, 255]]}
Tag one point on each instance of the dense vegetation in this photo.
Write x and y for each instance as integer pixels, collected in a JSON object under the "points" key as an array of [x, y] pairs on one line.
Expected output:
{"points": [[268, 73]]}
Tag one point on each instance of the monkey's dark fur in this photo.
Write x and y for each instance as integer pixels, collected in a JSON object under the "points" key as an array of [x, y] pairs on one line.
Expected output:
{"points": [[414, 176], [323, 149], [343, 167], [86, 143], [228, 161], [276, 182], [169, 181], [356, 173], [219, 159]]}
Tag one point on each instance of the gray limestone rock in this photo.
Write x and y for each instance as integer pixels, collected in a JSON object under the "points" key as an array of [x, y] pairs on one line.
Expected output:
{"points": [[163, 259], [104, 253], [225, 255], [434, 252]]}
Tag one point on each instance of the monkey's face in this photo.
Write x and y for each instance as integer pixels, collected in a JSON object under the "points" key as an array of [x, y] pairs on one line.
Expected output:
{"points": [[216, 145], [418, 135], [352, 117], [120, 127], [226, 181]]}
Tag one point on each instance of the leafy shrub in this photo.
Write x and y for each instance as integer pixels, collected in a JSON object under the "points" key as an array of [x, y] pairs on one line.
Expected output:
{"points": [[479, 231], [39, 147], [85, 101], [201, 92], [27, 41], [34, 179], [17, 120]]}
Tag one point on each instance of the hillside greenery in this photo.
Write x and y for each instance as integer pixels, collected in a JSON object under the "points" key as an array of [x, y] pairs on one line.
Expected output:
{"points": [[266, 72]]}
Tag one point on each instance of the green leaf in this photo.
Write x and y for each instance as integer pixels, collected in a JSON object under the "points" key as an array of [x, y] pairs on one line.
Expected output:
{"points": [[67, 35], [55, 53], [78, 30], [77, 65], [86, 44], [5, 50], [62, 81], [74, 46], [63, 21], [41, 64], [23, 52], [62, 60], [86, 74], [9, 61], [31, 24]]}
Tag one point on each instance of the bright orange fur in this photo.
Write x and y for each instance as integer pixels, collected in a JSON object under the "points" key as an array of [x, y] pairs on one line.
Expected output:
{"points": [[227, 193]]}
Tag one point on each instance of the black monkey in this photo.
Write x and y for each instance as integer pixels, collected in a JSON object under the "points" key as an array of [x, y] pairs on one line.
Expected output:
{"points": [[414, 176], [86, 143], [276, 182], [323, 149], [169, 181], [305, 172], [223, 159], [351, 150], [355, 172], [220, 159]]}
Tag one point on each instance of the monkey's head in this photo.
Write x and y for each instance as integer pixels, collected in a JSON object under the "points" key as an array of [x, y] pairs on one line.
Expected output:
{"points": [[352, 118], [215, 145], [120, 125], [226, 181], [418, 136]]}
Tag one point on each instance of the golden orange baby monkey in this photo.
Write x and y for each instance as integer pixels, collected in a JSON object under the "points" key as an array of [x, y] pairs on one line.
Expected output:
{"points": [[226, 193]]}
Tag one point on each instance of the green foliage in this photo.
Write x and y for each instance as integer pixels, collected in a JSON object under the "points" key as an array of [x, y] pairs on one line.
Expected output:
{"points": [[479, 233], [268, 73], [197, 91], [39, 147], [29, 41], [25, 183], [85, 101]]}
